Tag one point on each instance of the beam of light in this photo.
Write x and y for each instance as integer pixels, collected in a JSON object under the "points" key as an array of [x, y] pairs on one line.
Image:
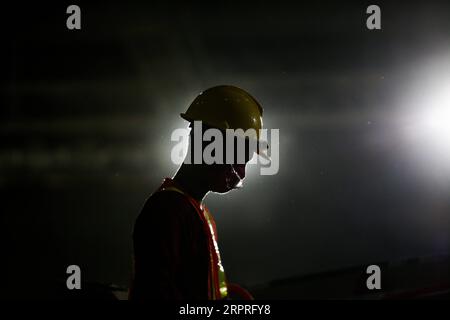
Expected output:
{"points": [[425, 114], [435, 118]]}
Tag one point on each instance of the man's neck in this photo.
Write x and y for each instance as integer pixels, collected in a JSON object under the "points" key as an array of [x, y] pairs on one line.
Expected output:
{"points": [[189, 180]]}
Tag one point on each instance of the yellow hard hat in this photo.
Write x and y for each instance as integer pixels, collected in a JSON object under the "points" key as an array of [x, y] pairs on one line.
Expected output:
{"points": [[226, 107]]}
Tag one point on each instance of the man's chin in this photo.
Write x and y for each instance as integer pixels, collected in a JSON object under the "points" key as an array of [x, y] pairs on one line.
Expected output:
{"points": [[228, 187], [222, 190]]}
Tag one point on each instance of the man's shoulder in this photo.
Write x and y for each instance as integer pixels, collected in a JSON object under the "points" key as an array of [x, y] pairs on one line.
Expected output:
{"points": [[167, 205], [168, 199]]}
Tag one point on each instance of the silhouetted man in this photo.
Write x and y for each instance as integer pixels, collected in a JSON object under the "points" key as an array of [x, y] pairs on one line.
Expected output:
{"points": [[176, 254]]}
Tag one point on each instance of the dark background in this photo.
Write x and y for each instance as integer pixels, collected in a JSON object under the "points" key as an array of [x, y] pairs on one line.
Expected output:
{"points": [[86, 119]]}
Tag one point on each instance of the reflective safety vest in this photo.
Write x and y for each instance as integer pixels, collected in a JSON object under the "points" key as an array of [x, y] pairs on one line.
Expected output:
{"points": [[217, 284]]}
